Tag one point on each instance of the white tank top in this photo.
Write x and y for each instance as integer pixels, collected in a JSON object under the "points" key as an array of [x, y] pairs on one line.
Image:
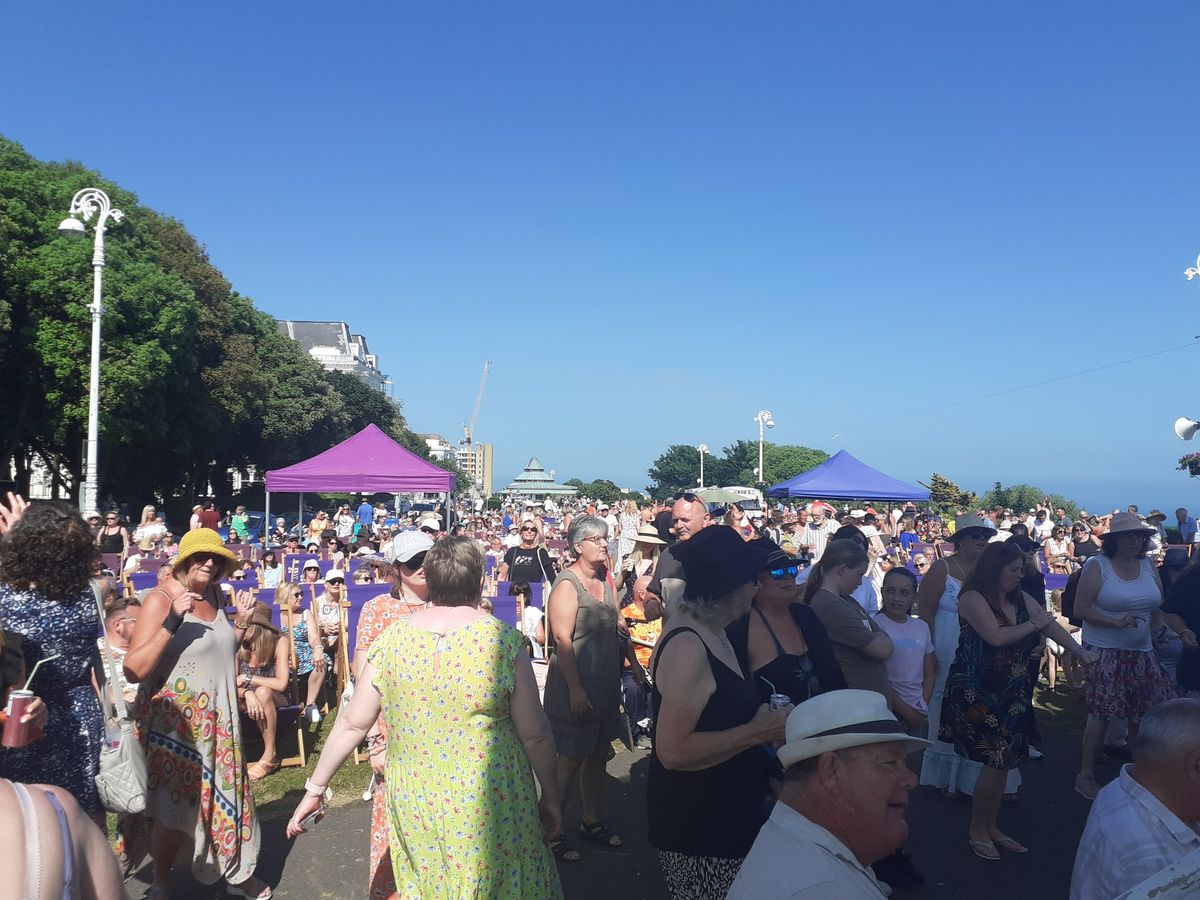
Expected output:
{"points": [[949, 599], [1117, 597]]}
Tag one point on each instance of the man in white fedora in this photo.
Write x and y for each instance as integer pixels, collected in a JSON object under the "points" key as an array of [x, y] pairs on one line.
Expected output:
{"points": [[842, 804]]}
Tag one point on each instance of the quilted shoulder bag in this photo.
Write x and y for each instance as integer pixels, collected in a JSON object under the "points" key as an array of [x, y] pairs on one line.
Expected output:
{"points": [[121, 781]]}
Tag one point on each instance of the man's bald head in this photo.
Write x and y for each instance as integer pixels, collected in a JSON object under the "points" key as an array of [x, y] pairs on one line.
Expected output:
{"points": [[639, 587], [688, 517]]}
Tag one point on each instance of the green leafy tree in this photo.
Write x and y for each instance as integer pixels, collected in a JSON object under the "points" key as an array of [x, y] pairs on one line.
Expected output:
{"points": [[1070, 507], [1022, 497], [679, 467], [947, 497], [606, 490], [677, 470], [780, 461], [194, 380]]}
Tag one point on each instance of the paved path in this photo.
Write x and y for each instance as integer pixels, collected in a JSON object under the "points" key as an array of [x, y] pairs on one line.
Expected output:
{"points": [[330, 862]]}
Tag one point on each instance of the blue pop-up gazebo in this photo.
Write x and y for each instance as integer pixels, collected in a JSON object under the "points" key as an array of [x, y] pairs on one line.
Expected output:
{"points": [[843, 477]]}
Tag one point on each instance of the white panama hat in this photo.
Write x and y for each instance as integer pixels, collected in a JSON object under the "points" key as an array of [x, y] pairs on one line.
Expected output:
{"points": [[837, 720]]}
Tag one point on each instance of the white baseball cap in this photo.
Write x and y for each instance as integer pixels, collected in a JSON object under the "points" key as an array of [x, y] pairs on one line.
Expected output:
{"points": [[408, 544]]}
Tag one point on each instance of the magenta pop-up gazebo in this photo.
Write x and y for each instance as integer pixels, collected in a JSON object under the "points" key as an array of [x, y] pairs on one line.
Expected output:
{"points": [[369, 462]]}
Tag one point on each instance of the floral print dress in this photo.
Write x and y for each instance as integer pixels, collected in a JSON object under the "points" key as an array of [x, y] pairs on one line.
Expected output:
{"points": [[68, 754], [461, 802], [187, 720], [987, 711]]}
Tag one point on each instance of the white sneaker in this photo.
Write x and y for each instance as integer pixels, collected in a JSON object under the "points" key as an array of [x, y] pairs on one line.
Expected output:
{"points": [[1035, 753]]}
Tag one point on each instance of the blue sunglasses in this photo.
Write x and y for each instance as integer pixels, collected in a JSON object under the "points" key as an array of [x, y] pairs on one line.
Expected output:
{"points": [[788, 572]]}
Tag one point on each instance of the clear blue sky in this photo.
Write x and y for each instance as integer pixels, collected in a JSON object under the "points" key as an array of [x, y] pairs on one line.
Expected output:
{"points": [[656, 221]]}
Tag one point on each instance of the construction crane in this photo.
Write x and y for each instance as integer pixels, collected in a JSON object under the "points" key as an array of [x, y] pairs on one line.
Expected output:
{"points": [[469, 429]]}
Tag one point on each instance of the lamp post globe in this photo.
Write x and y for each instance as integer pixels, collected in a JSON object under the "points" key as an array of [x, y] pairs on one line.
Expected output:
{"points": [[72, 228], [702, 449]]}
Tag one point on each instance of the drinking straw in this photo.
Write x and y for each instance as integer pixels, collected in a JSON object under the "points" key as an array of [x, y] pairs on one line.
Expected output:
{"points": [[29, 680]]}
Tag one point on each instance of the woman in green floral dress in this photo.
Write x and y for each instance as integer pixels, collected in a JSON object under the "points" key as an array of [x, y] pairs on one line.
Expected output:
{"points": [[465, 728]]}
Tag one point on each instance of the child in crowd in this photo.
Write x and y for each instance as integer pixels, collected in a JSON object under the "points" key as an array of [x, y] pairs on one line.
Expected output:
{"points": [[913, 664], [533, 626]]}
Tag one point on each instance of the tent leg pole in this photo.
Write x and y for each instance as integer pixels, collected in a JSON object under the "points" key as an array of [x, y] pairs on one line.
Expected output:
{"points": [[266, 529], [300, 519]]}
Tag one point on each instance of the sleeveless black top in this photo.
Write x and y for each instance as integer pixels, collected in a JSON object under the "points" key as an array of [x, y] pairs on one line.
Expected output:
{"points": [[716, 811], [800, 676], [788, 673], [112, 543]]}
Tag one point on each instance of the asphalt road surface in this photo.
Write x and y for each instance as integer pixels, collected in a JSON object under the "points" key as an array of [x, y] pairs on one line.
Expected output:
{"points": [[331, 861]]}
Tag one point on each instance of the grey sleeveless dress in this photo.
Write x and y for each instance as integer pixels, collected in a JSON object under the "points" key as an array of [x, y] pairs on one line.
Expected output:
{"points": [[597, 656]]}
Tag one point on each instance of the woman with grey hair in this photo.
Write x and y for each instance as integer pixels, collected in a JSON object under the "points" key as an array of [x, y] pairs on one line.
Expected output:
{"points": [[583, 683], [708, 779]]}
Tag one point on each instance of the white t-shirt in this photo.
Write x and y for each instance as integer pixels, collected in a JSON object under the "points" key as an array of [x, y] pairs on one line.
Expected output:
{"points": [[906, 665], [530, 619], [1041, 530], [344, 525]]}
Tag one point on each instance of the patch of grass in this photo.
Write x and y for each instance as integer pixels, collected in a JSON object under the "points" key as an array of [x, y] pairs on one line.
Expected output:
{"points": [[1062, 711], [278, 793]]}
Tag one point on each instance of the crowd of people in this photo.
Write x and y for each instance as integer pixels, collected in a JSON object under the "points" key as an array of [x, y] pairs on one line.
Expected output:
{"points": [[793, 672]]}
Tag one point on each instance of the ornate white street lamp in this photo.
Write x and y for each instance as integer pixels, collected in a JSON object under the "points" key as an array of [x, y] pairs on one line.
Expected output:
{"points": [[87, 203], [703, 448], [764, 420]]}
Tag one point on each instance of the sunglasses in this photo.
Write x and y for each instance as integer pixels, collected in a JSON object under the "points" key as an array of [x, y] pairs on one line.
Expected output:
{"points": [[688, 496], [785, 572], [336, 581], [531, 530], [414, 562]]}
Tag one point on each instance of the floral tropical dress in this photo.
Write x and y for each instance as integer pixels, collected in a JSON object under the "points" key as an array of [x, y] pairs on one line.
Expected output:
{"points": [[187, 719], [461, 802], [987, 711]]}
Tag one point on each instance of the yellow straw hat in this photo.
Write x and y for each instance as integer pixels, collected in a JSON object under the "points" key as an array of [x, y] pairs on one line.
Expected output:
{"points": [[203, 540]]}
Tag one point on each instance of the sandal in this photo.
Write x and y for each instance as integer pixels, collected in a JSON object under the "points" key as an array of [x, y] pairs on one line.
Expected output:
{"points": [[561, 847], [1087, 787], [598, 834], [259, 770], [236, 890], [984, 850], [1004, 842]]}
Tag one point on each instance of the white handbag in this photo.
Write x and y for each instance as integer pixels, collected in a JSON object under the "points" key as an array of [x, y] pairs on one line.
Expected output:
{"points": [[121, 781]]}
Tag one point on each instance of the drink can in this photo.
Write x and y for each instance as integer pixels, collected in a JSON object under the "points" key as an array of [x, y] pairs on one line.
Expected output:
{"points": [[779, 701], [16, 732]]}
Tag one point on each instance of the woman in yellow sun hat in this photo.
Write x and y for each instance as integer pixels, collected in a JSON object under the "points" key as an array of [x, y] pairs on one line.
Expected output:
{"points": [[183, 652]]}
